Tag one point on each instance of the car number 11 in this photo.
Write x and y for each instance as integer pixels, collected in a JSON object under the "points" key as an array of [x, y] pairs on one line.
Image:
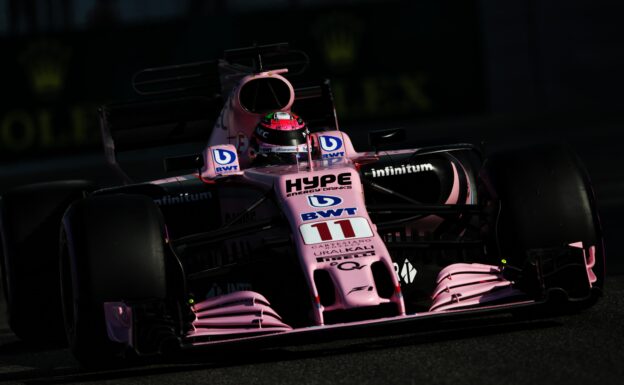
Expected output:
{"points": [[336, 230]]}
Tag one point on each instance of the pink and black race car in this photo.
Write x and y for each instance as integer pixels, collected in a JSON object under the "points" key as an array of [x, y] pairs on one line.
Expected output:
{"points": [[329, 240]]}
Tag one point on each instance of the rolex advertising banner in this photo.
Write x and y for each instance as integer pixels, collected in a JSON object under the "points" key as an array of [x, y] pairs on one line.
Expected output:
{"points": [[390, 60]]}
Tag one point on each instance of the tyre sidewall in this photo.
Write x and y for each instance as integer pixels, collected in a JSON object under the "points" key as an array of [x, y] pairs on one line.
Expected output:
{"points": [[115, 251]]}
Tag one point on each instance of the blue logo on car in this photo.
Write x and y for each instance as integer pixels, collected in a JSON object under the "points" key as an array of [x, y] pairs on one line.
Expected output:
{"points": [[330, 143], [324, 200], [330, 213], [223, 156]]}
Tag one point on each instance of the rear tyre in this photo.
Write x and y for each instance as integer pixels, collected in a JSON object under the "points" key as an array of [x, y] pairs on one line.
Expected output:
{"points": [[30, 217], [546, 202], [112, 249]]}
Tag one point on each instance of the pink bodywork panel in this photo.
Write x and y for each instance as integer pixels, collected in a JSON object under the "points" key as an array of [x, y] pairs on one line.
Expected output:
{"points": [[453, 197], [345, 226], [338, 238], [241, 312], [235, 125], [118, 318], [219, 161], [305, 330], [469, 284], [590, 260], [332, 231], [333, 144]]}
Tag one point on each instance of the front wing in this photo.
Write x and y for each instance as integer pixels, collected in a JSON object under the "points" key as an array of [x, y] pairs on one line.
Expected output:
{"points": [[246, 318], [419, 322]]}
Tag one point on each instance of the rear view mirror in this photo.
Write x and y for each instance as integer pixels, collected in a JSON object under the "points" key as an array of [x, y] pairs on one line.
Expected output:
{"points": [[383, 137]]}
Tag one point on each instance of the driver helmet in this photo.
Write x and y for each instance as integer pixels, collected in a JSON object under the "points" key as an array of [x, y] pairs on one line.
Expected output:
{"points": [[279, 138]]}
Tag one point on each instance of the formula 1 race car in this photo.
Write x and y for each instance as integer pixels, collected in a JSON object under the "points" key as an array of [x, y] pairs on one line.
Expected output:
{"points": [[294, 239]]}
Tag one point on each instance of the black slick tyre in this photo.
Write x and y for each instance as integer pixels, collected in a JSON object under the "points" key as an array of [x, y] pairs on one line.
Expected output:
{"points": [[545, 201], [113, 249]]}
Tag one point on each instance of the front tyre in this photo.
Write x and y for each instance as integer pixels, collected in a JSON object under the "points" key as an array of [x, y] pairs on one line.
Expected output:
{"points": [[545, 202], [112, 249]]}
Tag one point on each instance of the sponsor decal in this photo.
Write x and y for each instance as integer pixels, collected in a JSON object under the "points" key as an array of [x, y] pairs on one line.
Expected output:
{"points": [[168, 200], [331, 144], [328, 213], [360, 288], [333, 155], [225, 158], [336, 230], [345, 243], [281, 149], [317, 183], [345, 250], [226, 168], [347, 266], [323, 200], [343, 257], [400, 170], [406, 273]]}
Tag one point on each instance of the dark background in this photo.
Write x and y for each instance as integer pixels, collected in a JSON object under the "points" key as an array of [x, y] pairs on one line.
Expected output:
{"points": [[501, 73], [386, 60]]}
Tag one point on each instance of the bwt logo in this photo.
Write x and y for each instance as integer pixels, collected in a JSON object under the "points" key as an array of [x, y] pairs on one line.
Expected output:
{"points": [[323, 201], [224, 157], [328, 213], [329, 144], [322, 181]]}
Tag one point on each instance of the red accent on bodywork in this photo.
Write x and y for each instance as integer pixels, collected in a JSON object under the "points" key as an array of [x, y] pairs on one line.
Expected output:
{"points": [[323, 230], [347, 229], [207, 181]]}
